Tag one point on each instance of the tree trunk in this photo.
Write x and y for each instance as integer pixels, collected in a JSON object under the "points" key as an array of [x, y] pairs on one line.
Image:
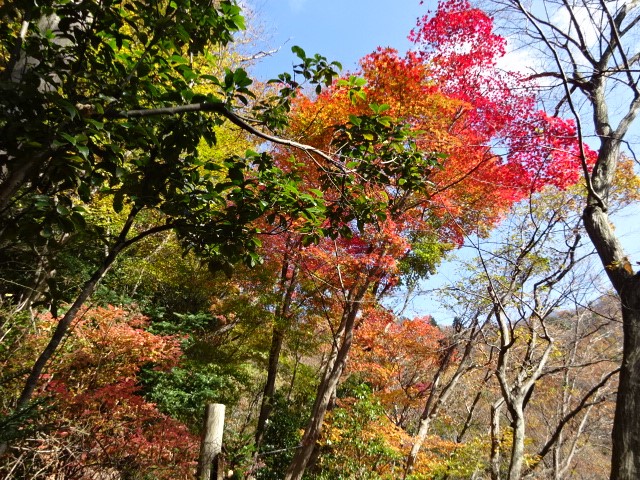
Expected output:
{"points": [[16, 178], [209, 461], [437, 399], [496, 411], [472, 409], [517, 446], [327, 387], [287, 288], [270, 385], [425, 422], [63, 325], [609, 59], [62, 328], [625, 463]]}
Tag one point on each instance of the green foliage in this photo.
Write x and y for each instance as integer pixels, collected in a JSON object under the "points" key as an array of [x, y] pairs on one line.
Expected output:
{"points": [[425, 255], [183, 391], [72, 137], [185, 323], [455, 461], [164, 283], [354, 86], [382, 154], [21, 424], [282, 437]]}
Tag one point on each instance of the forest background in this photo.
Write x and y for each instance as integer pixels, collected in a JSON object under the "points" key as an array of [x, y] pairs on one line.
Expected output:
{"points": [[156, 254]]}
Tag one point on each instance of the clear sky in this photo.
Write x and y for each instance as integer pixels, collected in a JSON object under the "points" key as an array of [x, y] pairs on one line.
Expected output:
{"points": [[342, 30]]}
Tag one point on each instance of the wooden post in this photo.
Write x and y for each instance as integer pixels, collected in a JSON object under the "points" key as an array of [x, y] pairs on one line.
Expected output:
{"points": [[209, 464]]}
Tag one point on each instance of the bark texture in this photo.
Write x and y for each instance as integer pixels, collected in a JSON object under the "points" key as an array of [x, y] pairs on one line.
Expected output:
{"points": [[287, 287], [606, 60]]}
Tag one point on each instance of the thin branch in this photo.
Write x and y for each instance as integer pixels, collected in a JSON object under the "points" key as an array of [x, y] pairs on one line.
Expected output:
{"points": [[569, 416], [221, 109], [572, 107]]}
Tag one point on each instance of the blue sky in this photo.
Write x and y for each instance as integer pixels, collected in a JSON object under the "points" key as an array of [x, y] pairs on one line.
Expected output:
{"points": [[342, 30]]}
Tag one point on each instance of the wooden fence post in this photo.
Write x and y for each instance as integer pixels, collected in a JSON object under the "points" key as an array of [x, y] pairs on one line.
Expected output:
{"points": [[210, 462]]}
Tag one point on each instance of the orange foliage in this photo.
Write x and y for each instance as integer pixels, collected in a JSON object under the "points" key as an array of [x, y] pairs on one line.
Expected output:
{"points": [[397, 358], [496, 147]]}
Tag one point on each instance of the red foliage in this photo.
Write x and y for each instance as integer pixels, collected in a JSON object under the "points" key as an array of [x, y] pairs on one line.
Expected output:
{"points": [[100, 416], [546, 149], [461, 49], [373, 254], [497, 146], [496, 149], [119, 429]]}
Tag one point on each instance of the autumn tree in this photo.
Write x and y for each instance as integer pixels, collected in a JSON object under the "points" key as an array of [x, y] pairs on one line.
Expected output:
{"points": [[397, 357], [455, 360], [111, 109], [96, 416], [359, 440], [525, 286], [416, 200], [571, 415], [533, 283]]}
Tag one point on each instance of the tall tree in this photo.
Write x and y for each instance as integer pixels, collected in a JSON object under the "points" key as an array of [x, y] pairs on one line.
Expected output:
{"points": [[591, 66], [531, 280], [527, 280], [459, 105]]}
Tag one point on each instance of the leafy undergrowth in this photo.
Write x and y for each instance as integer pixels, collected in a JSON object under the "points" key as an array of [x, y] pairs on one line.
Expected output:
{"points": [[96, 422]]}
